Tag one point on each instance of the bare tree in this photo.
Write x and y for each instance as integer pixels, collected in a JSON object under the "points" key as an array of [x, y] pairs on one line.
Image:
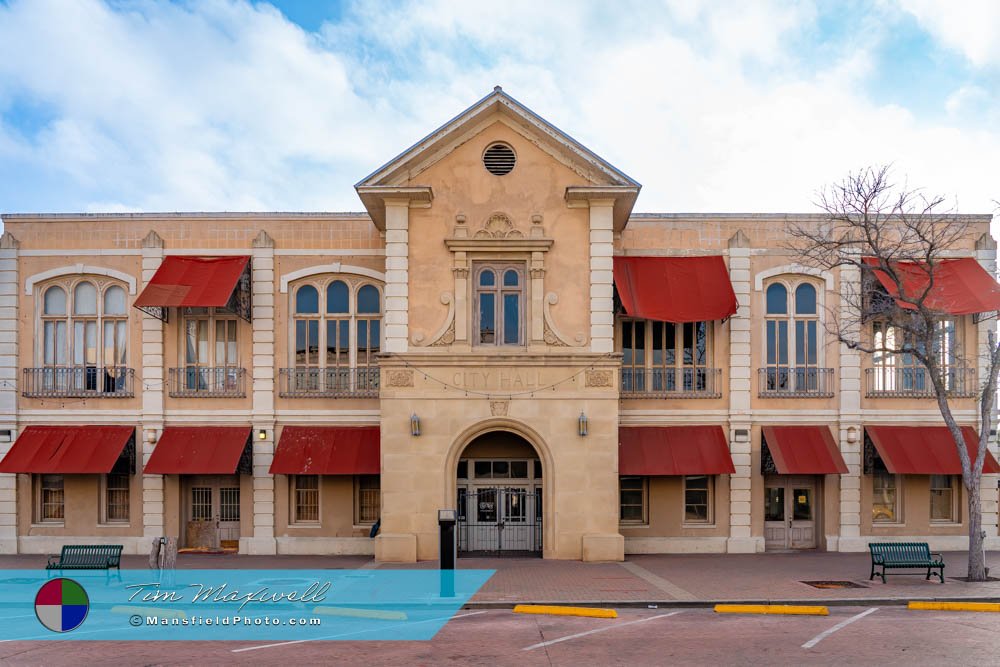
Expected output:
{"points": [[900, 236]]}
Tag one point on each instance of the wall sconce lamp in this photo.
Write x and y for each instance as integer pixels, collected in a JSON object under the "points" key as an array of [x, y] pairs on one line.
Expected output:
{"points": [[852, 435], [582, 424], [414, 424], [151, 435], [262, 434]]}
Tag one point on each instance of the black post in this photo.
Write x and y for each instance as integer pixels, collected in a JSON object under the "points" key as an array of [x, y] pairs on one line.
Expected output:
{"points": [[447, 551]]}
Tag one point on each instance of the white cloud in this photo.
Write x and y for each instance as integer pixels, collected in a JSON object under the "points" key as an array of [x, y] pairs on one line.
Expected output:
{"points": [[228, 106], [967, 26]]}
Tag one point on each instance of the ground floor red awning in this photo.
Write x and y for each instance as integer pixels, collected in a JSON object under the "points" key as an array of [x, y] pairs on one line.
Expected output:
{"points": [[328, 450], [673, 450], [199, 450], [803, 450], [925, 450], [67, 449], [675, 289]]}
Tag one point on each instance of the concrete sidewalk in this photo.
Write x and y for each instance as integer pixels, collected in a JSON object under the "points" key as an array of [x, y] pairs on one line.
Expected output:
{"points": [[664, 580]]}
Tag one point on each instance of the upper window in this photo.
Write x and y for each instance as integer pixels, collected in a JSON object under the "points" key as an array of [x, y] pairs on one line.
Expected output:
{"points": [[209, 355], [499, 304], [792, 342], [666, 358], [337, 329], [896, 369], [83, 340]]}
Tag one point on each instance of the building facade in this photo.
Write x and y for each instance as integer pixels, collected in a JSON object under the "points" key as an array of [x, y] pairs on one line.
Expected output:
{"points": [[499, 333]]}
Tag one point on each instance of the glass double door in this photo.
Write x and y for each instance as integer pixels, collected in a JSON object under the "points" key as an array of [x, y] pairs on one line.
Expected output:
{"points": [[214, 510], [789, 512]]}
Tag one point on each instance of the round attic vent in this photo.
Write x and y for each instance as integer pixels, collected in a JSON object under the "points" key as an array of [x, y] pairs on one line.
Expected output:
{"points": [[499, 159]]}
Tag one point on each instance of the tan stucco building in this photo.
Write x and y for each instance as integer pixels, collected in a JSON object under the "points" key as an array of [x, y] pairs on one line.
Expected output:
{"points": [[499, 332]]}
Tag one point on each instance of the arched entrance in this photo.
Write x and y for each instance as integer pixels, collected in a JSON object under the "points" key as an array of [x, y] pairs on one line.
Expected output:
{"points": [[499, 485]]}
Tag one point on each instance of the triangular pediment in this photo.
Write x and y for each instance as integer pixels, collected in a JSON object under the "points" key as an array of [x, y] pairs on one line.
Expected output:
{"points": [[498, 106]]}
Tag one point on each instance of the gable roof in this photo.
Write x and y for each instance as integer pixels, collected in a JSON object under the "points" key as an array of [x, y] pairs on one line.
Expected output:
{"points": [[441, 141]]}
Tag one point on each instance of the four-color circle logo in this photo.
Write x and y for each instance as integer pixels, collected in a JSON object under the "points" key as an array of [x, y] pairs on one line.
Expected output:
{"points": [[61, 605]]}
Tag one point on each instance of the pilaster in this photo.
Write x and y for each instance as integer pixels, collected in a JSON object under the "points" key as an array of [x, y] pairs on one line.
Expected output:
{"points": [[8, 386], [153, 385], [741, 539], [986, 254], [397, 275], [602, 330], [850, 432]]}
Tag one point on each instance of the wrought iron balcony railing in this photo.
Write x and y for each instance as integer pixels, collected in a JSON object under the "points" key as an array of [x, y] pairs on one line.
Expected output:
{"points": [[791, 382], [329, 382], [78, 382], [684, 382], [207, 382], [915, 382]]}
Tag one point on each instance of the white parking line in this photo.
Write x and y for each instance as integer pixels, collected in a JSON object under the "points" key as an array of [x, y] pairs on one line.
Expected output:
{"points": [[840, 626], [359, 632], [594, 632]]}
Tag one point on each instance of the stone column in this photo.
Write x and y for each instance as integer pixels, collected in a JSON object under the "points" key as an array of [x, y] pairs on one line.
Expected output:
{"points": [[8, 386], [740, 539], [262, 279], [602, 250], [986, 254], [153, 385], [851, 427], [397, 275]]}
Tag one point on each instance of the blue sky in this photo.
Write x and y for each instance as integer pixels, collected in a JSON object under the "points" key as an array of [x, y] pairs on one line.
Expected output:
{"points": [[712, 106]]}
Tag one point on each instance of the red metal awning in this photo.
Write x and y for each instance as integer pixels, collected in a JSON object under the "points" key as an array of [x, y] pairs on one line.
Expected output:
{"points": [[673, 450], [198, 450], [925, 450], [675, 289], [804, 450], [328, 450], [67, 449], [189, 282], [961, 286]]}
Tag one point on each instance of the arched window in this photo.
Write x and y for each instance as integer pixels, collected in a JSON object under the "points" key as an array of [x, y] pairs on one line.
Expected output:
{"points": [[499, 305], [335, 346], [84, 332], [792, 339]]}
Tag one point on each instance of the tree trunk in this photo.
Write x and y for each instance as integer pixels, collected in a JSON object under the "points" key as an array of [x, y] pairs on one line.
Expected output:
{"points": [[977, 553]]}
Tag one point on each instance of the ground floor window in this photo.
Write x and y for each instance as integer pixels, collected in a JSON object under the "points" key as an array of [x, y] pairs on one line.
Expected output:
{"points": [[367, 499], [633, 494], [944, 499], [115, 498], [885, 498], [698, 493], [50, 499], [305, 498]]}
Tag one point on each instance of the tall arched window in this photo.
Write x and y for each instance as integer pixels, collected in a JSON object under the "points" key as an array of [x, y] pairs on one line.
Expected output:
{"points": [[337, 329], [792, 339], [499, 296], [84, 346]]}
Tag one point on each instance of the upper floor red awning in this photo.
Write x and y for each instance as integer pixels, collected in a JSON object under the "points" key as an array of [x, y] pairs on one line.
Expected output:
{"points": [[328, 450], [673, 450], [925, 450], [67, 449], [961, 286], [675, 289], [191, 282]]}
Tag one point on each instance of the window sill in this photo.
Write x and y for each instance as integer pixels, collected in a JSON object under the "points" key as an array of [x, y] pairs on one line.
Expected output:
{"points": [[49, 524], [312, 525], [887, 524], [118, 524], [945, 524], [633, 525], [702, 526]]}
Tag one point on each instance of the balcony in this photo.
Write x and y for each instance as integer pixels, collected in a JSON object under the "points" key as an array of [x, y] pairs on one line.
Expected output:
{"points": [[207, 382], [78, 382], [915, 382], [788, 382], [671, 383], [329, 382]]}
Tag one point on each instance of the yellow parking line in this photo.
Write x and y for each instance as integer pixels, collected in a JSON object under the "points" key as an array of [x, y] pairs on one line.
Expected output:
{"points": [[797, 610], [555, 610], [955, 606], [379, 614]]}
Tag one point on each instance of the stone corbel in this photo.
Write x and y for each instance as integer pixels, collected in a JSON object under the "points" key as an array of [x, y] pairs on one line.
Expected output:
{"points": [[445, 335], [552, 334]]}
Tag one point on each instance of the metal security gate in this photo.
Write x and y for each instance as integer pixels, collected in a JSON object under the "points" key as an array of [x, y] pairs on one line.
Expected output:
{"points": [[499, 521]]}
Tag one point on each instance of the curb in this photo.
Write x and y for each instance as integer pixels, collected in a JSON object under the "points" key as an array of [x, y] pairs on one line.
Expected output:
{"points": [[706, 604]]}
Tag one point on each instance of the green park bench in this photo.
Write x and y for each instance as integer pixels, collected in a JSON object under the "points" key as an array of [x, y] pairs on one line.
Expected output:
{"points": [[87, 557], [904, 555]]}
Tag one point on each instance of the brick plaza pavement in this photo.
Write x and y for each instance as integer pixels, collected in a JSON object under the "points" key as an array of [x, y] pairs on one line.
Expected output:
{"points": [[641, 579]]}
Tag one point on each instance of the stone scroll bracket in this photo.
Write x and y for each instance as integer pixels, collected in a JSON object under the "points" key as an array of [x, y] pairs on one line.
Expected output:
{"points": [[445, 335], [553, 336]]}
